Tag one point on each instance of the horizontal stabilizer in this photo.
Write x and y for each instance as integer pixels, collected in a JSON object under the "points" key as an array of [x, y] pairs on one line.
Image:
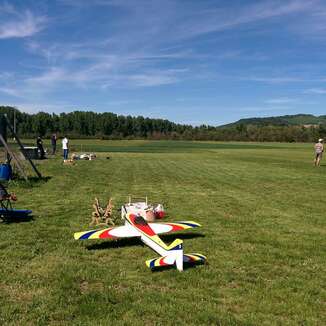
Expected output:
{"points": [[193, 258], [159, 262]]}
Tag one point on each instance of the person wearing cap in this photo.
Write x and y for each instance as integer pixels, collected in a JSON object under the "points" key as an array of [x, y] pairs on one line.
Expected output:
{"points": [[319, 149]]}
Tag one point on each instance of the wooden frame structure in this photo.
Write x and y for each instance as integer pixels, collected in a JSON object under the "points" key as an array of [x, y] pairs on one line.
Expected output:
{"points": [[9, 153]]}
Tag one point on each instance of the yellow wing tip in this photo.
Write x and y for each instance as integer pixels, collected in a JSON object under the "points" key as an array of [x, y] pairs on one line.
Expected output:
{"points": [[91, 234], [147, 262], [77, 235], [190, 224]]}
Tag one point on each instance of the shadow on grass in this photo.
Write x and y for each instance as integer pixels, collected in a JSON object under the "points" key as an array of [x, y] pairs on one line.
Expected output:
{"points": [[185, 267], [31, 182], [120, 243], [129, 242]]}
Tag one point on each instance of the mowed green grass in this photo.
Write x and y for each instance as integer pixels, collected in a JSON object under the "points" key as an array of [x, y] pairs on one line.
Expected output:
{"points": [[262, 209]]}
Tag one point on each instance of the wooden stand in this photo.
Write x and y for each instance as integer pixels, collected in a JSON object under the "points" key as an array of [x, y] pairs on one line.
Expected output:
{"points": [[102, 216]]}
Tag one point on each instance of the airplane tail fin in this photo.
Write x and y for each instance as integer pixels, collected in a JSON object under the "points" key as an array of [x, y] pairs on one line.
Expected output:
{"points": [[177, 244]]}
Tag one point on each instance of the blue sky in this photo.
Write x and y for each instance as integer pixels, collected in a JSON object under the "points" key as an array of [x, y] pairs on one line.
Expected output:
{"points": [[189, 61]]}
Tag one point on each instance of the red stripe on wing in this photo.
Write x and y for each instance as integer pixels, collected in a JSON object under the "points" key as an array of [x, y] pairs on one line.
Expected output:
{"points": [[175, 227], [106, 234]]}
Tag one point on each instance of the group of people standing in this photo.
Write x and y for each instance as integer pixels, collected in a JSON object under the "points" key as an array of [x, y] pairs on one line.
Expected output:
{"points": [[65, 146]]}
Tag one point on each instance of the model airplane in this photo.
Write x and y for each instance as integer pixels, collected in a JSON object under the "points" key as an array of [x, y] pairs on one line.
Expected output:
{"points": [[136, 226]]}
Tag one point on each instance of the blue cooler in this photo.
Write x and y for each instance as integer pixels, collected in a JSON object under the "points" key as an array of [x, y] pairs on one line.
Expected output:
{"points": [[5, 172]]}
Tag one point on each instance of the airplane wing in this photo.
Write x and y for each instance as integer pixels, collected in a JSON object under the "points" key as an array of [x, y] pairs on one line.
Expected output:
{"points": [[167, 227], [126, 231], [109, 233]]}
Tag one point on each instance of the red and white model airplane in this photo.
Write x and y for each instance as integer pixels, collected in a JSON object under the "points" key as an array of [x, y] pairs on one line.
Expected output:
{"points": [[136, 226]]}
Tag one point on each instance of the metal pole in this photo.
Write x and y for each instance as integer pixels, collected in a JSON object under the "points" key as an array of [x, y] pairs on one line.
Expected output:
{"points": [[14, 124], [15, 121]]}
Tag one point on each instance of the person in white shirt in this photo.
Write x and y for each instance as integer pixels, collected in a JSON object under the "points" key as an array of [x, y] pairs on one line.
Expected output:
{"points": [[65, 147], [319, 149]]}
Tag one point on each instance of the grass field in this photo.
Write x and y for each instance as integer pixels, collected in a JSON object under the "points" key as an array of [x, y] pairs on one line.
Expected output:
{"points": [[262, 208]]}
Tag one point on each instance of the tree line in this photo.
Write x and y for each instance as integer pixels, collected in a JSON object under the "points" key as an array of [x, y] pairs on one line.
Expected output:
{"points": [[107, 125]]}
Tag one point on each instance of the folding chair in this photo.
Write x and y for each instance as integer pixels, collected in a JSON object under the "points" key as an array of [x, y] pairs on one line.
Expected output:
{"points": [[7, 212]]}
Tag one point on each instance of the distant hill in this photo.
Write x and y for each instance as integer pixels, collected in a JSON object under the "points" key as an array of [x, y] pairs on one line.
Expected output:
{"points": [[285, 120]]}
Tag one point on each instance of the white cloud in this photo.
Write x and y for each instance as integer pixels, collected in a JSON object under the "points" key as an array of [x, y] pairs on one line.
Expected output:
{"points": [[319, 91], [145, 46], [250, 109], [145, 38], [19, 24], [49, 77], [100, 76], [121, 102], [37, 106], [10, 91], [214, 20], [276, 79], [152, 79], [280, 100]]}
